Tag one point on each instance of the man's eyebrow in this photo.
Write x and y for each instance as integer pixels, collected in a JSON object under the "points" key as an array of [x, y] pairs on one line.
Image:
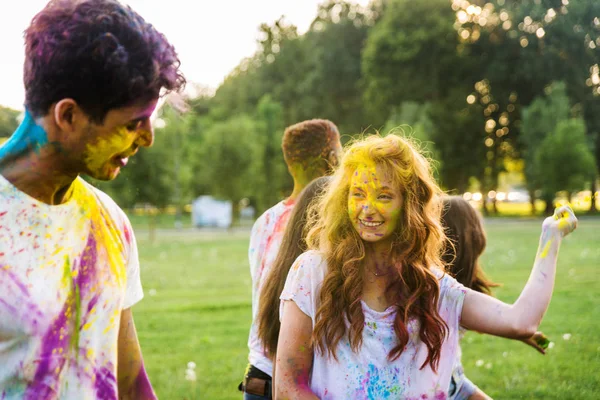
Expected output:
{"points": [[139, 118]]}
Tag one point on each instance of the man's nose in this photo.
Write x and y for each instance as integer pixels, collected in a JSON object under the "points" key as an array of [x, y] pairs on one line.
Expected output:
{"points": [[146, 138]]}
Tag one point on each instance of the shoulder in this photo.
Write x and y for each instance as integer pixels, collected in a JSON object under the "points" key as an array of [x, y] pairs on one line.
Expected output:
{"points": [[311, 261], [449, 286], [109, 205], [269, 217]]}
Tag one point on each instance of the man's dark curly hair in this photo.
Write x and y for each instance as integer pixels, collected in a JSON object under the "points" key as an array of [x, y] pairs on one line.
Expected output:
{"points": [[100, 53]]}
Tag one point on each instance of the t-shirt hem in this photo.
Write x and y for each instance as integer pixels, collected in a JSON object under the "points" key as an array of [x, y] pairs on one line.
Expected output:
{"points": [[133, 302]]}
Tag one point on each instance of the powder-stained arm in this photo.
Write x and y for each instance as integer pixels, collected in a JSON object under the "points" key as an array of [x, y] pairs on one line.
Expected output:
{"points": [[520, 320], [131, 375], [294, 355]]}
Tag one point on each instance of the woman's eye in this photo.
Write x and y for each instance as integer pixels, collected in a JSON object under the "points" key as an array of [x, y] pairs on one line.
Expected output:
{"points": [[385, 197], [357, 194]]}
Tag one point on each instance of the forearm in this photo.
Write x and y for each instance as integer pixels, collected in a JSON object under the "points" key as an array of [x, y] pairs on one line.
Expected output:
{"points": [[533, 302], [137, 388], [292, 382], [132, 379]]}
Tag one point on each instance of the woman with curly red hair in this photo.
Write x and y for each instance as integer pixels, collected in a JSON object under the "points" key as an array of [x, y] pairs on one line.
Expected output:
{"points": [[368, 312]]}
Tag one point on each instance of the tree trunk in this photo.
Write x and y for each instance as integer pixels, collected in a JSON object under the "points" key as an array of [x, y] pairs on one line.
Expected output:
{"points": [[152, 228], [532, 201], [592, 209], [549, 205]]}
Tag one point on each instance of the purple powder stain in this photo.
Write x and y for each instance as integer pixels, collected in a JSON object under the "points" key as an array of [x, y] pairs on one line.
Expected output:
{"points": [[142, 385], [16, 281], [20, 307], [439, 395], [105, 384], [54, 351], [55, 344]]}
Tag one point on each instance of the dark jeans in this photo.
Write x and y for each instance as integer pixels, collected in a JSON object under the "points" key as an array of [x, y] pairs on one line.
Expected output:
{"points": [[248, 396]]}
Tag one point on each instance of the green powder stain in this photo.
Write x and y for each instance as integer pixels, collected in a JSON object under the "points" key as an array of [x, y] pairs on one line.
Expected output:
{"points": [[75, 337], [76, 299], [543, 342]]}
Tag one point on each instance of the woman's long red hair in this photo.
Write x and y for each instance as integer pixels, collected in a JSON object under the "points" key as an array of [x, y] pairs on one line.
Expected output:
{"points": [[416, 248]]}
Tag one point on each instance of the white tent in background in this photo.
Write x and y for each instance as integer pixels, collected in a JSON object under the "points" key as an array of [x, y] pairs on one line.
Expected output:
{"points": [[207, 211]]}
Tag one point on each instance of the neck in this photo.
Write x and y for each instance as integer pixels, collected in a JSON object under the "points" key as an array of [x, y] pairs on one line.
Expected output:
{"points": [[302, 177], [31, 163], [298, 187], [379, 261]]}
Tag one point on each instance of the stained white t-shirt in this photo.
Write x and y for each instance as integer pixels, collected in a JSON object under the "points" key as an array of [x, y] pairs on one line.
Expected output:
{"points": [[66, 273], [265, 240], [368, 373]]}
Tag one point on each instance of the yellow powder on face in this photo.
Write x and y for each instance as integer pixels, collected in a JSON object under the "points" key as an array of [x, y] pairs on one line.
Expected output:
{"points": [[100, 151], [366, 179]]}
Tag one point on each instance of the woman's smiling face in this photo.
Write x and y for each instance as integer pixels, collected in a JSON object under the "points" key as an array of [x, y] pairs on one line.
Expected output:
{"points": [[374, 203]]}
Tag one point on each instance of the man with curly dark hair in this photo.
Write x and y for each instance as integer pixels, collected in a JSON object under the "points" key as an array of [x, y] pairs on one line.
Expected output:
{"points": [[69, 268]]}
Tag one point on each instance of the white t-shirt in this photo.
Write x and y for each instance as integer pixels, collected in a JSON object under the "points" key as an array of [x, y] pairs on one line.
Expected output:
{"points": [[368, 374], [66, 273], [265, 240]]}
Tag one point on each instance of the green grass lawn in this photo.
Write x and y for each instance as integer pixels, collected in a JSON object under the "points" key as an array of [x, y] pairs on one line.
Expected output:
{"points": [[197, 308]]}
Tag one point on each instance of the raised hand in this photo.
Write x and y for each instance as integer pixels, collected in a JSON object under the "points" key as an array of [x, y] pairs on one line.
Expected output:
{"points": [[563, 221]]}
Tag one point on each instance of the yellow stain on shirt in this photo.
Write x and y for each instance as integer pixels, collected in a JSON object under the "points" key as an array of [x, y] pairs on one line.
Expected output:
{"points": [[113, 320], [106, 233]]}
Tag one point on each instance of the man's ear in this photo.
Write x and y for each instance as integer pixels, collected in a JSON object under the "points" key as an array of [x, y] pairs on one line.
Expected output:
{"points": [[68, 116], [333, 159]]}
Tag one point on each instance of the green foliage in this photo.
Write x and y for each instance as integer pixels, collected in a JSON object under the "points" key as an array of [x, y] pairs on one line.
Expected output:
{"points": [[410, 55], [272, 181], [564, 159], [459, 140], [539, 120], [228, 151], [396, 62], [8, 121]]}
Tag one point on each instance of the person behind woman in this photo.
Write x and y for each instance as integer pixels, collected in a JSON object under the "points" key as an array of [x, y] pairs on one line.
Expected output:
{"points": [[465, 232], [292, 245], [311, 149], [367, 312]]}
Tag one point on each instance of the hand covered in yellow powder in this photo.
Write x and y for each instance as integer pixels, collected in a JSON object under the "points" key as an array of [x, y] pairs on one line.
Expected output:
{"points": [[562, 222]]}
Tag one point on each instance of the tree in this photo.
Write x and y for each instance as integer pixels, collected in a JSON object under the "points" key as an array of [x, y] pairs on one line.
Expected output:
{"points": [[231, 156], [564, 159], [8, 122], [410, 55], [459, 141], [270, 127], [525, 45], [334, 45], [540, 119]]}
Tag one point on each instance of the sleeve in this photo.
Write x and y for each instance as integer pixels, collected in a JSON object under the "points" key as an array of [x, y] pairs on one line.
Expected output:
{"points": [[452, 296], [303, 283], [133, 286]]}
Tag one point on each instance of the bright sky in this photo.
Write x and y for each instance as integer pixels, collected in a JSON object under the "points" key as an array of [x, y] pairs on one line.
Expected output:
{"points": [[211, 36]]}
